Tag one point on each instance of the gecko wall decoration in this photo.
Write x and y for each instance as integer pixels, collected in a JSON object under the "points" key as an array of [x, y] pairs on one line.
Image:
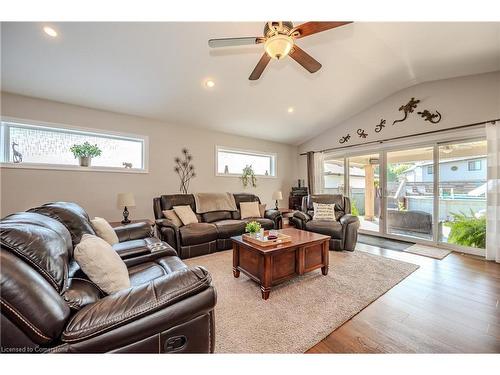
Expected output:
{"points": [[345, 139], [429, 116], [380, 126], [407, 109], [361, 133]]}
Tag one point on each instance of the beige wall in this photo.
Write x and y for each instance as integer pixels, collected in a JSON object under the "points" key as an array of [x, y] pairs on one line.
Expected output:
{"points": [[460, 101], [96, 191]]}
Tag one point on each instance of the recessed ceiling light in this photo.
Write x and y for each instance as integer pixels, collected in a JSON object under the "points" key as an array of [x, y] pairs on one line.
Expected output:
{"points": [[290, 109], [209, 83], [50, 31]]}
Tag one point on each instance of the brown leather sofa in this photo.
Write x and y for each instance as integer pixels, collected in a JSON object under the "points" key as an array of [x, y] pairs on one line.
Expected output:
{"points": [[343, 231], [49, 305], [213, 231]]}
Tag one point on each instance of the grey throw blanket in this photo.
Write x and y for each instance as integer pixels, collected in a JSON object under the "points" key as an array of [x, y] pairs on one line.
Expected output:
{"points": [[208, 202]]}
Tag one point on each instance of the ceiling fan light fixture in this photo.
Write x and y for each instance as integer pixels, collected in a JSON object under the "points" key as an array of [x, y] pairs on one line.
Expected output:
{"points": [[278, 46]]}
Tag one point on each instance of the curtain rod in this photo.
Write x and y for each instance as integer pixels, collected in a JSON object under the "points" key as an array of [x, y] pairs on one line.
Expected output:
{"points": [[406, 136]]}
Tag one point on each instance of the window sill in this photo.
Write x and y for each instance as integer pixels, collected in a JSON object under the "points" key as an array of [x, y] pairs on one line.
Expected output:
{"points": [[72, 168], [239, 176]]}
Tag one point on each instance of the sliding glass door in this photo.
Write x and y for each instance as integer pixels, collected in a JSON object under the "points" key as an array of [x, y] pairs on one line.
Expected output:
{"points": [[462, 193], [410, 193], [333, 176], [364, 190], [433, 193]]}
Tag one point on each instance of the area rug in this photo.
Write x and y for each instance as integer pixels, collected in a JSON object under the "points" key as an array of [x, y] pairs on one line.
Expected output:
{"points": [[427, 251], [301, 312]]}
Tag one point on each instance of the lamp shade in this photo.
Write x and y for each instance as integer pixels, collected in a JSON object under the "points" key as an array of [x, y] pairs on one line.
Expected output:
{"points": [[277, 196], [125, 200]]}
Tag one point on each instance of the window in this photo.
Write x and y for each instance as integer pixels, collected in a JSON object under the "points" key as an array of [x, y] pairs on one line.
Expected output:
{"points": [[430, 169], [49, 147], [232, 162], [475, 165]]}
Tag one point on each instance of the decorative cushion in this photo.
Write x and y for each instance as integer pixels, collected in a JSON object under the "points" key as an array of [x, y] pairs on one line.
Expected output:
{"points": [[104, 230], [324, 211], [262, 209], [102, 264], [186, 214], [172, 216], [249, 209]]}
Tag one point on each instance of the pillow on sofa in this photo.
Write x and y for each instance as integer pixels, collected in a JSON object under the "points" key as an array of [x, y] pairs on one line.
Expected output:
{"points": [[172, 216], [102, 264], [324, 211], [186, 214], [104, 230], [249, 209]]}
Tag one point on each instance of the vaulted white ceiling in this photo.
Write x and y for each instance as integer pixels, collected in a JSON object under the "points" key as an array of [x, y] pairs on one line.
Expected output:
{"points": [[157, 70]]}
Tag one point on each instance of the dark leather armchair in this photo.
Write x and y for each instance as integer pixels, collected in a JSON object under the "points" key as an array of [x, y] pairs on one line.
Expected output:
{"points": [[343, 231], [48, 304]]}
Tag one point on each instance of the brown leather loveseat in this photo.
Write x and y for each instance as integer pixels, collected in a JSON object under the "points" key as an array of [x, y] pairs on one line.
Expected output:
{"points": [[343, 231], [49, 305], [213, 231]]}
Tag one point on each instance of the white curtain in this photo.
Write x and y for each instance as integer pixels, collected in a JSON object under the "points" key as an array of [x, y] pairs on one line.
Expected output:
{"points": [[493, 212]]}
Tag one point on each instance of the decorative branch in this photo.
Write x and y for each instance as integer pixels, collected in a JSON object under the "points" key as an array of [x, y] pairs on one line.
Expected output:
{"points": [[185, 170]]}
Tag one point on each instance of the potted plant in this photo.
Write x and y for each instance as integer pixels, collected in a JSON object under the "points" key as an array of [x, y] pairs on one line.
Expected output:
{"points": [[248, 177], [253, 228], [85, 152]]}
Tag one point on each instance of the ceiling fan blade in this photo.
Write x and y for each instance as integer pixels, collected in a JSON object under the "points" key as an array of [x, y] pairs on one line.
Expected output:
{"points": [[304, 59], [230, 42], [310, 28], [259, 68]]}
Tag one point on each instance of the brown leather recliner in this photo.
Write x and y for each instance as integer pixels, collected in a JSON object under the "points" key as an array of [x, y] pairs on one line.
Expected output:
{"points": [[49, 305], [343, 231], [213, 231]]}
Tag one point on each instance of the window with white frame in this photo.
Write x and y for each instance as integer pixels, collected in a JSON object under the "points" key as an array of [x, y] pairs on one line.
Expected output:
{"points": [[232, 161], [40, 145]]}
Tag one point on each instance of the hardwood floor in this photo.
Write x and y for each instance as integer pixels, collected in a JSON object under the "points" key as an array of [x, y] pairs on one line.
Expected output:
{"points": [[446, 306]]}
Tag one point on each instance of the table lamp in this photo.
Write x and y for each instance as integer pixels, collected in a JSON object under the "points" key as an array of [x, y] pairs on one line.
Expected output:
{"points": [[277, 196], [125, 200]]}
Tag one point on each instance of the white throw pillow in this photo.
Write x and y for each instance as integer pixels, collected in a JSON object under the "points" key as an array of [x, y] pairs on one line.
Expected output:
{"points": [[172, 216], [102, 264], [249, 209], [104, 230], [324, 211], [186, 214]]}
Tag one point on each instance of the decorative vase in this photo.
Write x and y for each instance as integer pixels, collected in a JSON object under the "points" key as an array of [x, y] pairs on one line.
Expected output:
{"points": [[85, 161]]}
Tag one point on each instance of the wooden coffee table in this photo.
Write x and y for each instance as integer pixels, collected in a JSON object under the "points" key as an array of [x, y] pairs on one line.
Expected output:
{"points": [[269, 266]]}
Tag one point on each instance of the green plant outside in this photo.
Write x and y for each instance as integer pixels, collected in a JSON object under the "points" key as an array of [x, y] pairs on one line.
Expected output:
{"points": [[253, 227], [467, 230], [85, 150], [395, 171], [354, 209]]}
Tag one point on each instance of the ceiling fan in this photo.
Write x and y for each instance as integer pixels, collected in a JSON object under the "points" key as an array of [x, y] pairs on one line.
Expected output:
{"points": [[279, 41]]}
